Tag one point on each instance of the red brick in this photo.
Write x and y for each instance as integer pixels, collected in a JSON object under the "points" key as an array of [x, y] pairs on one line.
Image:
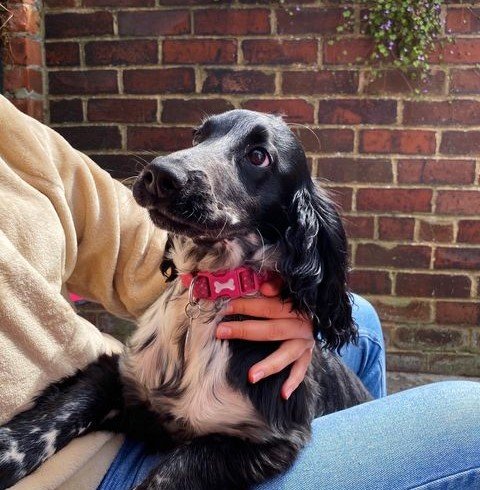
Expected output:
{"points": [[154, 23], [129, 52], [19, 77], [118, 3], [460, 143], [454, 364], [395, 309], [159, 81], [279, 52], [457, 258], [390, 228], [284, 2], [370, 282], [354, 111], [465, 81], [320, 82], [32, 107], [414, 338], [354, 170], [294, 110], [69, 110], [32, 3], [232, 21], [192, 2], [464, 51], [25, 18], [458, 313], [359, 226], [409, 142], [239, 82], [23, 51], [88, 138], [435, 231], [442, 113], [342, 197], [122, 110], [75, 24], [160, 139], [190, 51], [433, 285], [83, 82], [408, 361], [394, 200], [468, 231], [62, 54], [436, 171], [457, 202], [389, 82], [346, 51], [309, 20], [60, 3], [121, 166], [191, 111], [399, 256], [463, 20], [325, 140]]}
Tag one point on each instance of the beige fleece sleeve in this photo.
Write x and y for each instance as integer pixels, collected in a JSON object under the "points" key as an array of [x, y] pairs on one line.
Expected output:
{"points": [[64, 222], [118, 250], [112, 250]]}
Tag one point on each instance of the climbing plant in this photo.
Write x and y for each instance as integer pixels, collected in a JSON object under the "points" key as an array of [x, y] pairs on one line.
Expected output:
{"points": [[404, 31]]}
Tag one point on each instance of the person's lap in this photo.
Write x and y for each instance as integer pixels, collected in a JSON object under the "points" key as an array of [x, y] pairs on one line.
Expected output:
{"points": [[423, 438]]}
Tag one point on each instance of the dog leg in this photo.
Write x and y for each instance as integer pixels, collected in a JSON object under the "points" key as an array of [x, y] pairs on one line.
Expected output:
{"points": [[218, 462], [65, 410]]}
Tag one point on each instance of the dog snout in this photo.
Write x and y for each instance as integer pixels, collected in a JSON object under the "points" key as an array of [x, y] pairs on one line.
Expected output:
{"points": [[163, 179]]}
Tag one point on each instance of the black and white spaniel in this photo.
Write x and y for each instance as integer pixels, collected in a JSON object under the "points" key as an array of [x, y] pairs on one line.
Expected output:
{"points": [[239, 205]]}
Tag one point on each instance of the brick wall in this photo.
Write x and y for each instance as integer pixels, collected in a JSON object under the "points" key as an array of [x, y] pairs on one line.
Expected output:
{"points": [[23, 65], [127, 81]]}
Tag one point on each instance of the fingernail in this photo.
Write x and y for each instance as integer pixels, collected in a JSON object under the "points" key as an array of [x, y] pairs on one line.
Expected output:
{"points": [[257, 376], [288, 392], [224, 332]]}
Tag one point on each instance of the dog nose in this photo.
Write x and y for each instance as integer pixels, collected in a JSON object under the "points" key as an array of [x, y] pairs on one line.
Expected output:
{"points": [[163, 180]]}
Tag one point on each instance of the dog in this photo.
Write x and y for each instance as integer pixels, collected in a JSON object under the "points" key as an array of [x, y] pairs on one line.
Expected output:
{"points": [[239, 205]]}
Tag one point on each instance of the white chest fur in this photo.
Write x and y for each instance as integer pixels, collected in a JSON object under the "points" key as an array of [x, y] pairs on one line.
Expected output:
{"points": [[187, 380], [195, 373]]}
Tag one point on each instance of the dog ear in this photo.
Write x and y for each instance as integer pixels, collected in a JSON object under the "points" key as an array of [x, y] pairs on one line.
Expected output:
{"points": [[167, 266], [315, 264]]}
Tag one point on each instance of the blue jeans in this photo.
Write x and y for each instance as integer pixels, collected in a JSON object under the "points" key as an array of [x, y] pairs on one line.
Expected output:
{"points": [[426, 438]]}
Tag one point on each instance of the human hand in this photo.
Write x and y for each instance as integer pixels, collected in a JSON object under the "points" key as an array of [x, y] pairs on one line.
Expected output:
{"points": [[280, 323]]}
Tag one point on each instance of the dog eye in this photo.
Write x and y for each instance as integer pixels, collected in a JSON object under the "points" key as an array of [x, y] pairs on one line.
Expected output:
{"points": [[259, 157]]}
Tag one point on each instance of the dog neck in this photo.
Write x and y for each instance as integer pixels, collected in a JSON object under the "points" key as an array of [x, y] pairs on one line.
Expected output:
{"points": [[190, 256], [157, 347]]}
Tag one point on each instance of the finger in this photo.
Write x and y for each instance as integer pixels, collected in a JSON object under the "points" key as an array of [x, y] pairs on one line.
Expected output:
{"points": [[297, 373], [272, 286], [261, 307], [264, 330], [288, 352]]}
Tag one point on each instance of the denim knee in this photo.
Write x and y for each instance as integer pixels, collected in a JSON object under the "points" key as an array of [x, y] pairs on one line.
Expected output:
{"points": [[450, 398]]}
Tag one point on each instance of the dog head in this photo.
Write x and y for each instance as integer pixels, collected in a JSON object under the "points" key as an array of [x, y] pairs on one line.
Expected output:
{"points": [[247, 173]]}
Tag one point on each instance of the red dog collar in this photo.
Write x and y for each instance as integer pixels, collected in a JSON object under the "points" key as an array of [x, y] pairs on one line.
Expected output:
{"points": [[232, 284]]}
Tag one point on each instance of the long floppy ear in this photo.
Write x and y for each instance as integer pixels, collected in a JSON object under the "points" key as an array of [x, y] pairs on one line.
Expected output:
{"points": [[314, 266]]}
